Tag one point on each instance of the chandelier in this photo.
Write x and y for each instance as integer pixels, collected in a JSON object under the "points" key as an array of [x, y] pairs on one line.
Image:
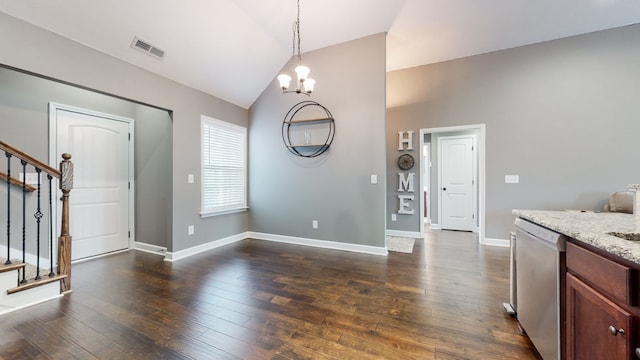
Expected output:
{"points": [[304, 84]]}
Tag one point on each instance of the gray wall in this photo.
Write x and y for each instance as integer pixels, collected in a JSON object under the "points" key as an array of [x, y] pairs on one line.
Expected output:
{"points": [[30, 48], [561, 114], [24, 103], [153, 170], [288, 192]]}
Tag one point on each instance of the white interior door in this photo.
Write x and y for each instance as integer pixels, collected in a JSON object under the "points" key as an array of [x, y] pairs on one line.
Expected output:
{"points": [[99, 201], [457, 179]]}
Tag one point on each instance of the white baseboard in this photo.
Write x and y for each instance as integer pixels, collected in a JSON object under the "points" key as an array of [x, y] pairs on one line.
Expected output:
{"points": [[411, 234], [177, 255], [78, 261], [435, 227], [325, 244], [496, 242], [150, 248], [333, 245]]}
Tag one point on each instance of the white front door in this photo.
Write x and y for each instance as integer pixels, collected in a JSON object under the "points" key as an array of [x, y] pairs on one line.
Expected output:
{"points": [[457, 180], [99, 201]]}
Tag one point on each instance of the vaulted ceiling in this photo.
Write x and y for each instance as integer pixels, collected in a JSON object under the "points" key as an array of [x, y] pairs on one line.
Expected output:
{"points": [[233, 49]]}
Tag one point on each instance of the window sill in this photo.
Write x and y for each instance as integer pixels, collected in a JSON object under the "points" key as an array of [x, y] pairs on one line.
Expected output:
{"points": [[222, 212]]}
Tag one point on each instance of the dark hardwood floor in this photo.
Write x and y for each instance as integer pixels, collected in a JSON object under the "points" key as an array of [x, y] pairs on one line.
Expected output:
{"points": [[262, 300]]}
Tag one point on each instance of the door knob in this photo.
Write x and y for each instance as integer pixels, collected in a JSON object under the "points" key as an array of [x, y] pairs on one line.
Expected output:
{"points": [[614, 331], [637, 353], [444, 189]]}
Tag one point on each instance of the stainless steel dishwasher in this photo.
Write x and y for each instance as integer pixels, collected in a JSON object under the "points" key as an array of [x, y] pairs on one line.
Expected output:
{"points": [[539, 265]]}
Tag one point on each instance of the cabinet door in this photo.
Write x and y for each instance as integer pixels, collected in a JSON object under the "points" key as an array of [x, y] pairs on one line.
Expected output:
{"points": [[597, 328]]}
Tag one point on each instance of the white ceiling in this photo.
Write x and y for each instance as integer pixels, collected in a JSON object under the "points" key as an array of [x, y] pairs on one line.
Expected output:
{"points": [[233, 49]]}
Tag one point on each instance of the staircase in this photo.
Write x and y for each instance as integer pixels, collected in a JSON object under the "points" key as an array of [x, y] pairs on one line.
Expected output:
{"points": [[14, 296], [34, 274]]}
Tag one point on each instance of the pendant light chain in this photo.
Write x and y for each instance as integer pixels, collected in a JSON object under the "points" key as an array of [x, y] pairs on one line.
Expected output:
{"points": [[296, 38], [293, 42], [298, 31]]}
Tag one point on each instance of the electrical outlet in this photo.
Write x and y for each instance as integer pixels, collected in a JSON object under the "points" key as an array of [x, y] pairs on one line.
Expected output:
{"points": [[511, 179], [314, 224], [394, 217], [191, 230], [191, 179]]}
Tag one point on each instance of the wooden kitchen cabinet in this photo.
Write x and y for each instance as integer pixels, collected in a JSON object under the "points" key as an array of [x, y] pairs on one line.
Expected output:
{"points": [[597, 327], [601, 310]]}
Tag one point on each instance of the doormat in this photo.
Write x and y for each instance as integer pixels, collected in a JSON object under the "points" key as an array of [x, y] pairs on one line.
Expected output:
{"points": [[400, 244]]}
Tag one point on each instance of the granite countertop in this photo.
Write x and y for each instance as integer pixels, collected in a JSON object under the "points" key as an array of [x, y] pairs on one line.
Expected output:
{"points": [[591, 228]]}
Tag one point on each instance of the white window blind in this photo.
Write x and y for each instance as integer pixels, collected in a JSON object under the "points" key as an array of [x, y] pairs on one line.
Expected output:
{"points": [[224, 166]]}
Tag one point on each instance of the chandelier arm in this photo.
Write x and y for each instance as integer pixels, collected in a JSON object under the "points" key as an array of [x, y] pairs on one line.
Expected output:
{"points": [[297, 91]]}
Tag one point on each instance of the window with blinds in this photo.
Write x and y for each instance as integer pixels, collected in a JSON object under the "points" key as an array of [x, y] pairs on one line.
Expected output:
{"points": [[224, 167]]}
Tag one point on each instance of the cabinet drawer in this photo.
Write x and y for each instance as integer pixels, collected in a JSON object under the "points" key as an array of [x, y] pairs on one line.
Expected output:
{"points": [[610, 277]]}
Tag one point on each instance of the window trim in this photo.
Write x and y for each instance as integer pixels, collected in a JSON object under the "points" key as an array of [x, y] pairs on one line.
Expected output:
{"points": [[213, 211]]}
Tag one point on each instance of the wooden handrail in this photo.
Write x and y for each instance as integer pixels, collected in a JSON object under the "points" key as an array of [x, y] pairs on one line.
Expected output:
{"points": [[30, 160], [14, 181]]}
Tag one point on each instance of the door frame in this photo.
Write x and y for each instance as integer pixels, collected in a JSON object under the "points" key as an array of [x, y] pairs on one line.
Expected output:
{"points": [[54, 161], [474, 170], [481, 170], [426, 172]]}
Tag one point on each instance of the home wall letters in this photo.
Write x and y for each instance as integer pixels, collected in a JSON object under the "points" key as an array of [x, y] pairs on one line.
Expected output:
{"points": [[405, 180]]}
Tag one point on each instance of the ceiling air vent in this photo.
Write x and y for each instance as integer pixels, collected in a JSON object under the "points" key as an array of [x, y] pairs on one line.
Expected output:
{"points": [[147, 48]]}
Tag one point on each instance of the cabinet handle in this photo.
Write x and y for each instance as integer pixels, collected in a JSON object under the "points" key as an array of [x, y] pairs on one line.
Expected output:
{"points": [[614, 331]]}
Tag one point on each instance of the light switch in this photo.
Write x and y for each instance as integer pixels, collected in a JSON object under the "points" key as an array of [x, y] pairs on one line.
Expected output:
{"points": [[191, 179], [374, 179], [511, 179]]}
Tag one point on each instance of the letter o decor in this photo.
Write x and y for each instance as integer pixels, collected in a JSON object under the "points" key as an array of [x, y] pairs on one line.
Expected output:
{"points": [[308, 129]]}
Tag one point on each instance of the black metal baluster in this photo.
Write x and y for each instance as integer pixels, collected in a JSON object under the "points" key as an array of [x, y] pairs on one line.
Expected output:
{"points": [[24, 219], [51, 273], [38, 216], [8, 155]]}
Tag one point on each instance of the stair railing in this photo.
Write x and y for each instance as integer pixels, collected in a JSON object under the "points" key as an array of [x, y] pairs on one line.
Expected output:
{"points": [[65, 179]]}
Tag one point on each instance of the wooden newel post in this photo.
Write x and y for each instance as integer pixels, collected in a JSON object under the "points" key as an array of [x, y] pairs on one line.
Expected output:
{"points": [[64, 241]]}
